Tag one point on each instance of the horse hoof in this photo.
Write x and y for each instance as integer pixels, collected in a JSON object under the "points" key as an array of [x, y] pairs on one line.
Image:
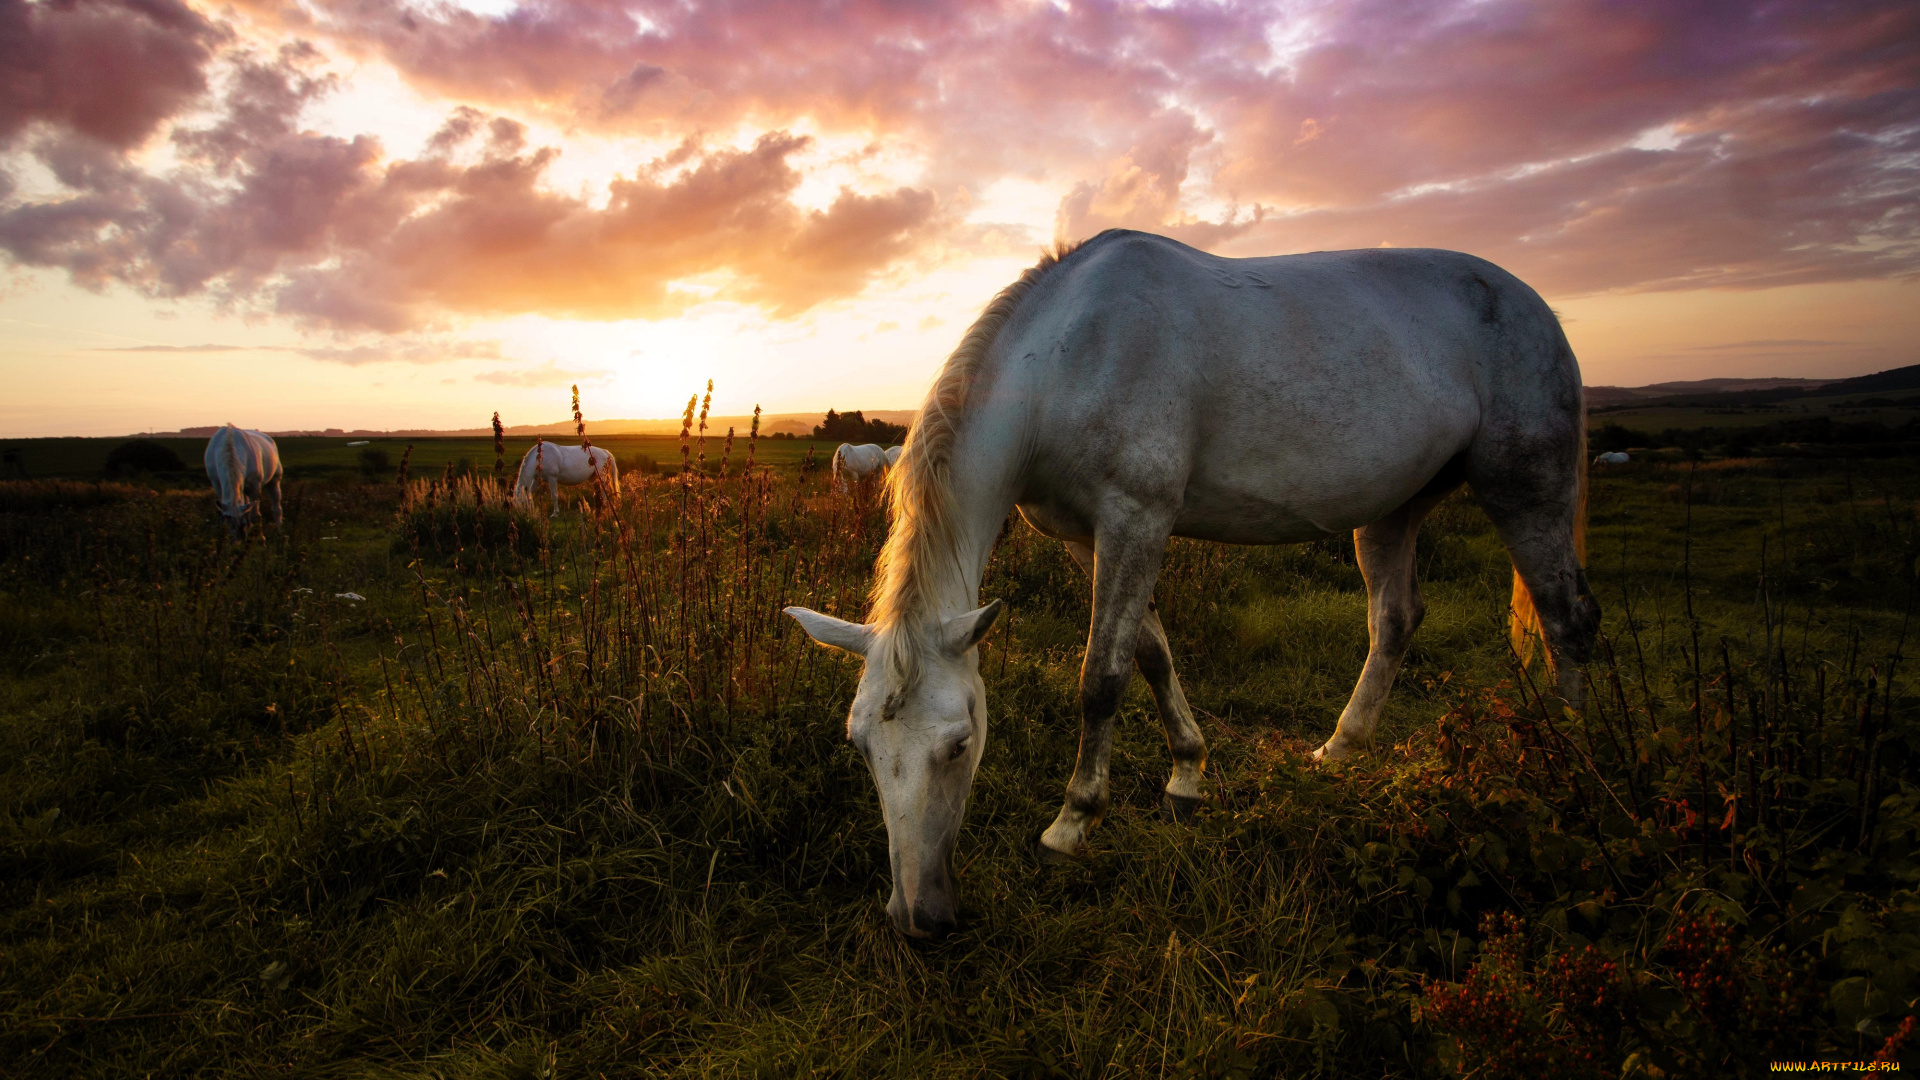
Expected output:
{"points": [[1330, 753], [1178, 809], [1047, 856]]}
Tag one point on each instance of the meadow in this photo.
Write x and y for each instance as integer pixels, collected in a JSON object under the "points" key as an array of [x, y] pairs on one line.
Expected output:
{"points": [[424, 786], [325, 458]]}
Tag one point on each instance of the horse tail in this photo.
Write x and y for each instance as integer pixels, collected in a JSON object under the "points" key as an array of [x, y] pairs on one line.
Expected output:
{"points": [[1523, 625]]}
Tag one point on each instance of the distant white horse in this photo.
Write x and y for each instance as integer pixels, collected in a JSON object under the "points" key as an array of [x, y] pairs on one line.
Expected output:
{"points": [[244, 467], [857, 462], [1134, 389], [1618, 457], [555, 464]]}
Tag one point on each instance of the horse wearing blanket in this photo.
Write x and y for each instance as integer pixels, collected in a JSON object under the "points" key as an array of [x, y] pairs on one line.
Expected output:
{"points": [[244, 468], [1132, 389]]}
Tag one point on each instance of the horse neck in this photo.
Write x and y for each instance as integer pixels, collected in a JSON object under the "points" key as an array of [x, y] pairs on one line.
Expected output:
{"points": [[983, 480]]}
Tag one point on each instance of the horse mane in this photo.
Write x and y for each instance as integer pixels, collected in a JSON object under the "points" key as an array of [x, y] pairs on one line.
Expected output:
{"points": [[238, 478], [922, 551]]}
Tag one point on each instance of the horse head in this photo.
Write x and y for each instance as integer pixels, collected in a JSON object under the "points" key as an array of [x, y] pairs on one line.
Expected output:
{"points": [[921, 738], [238, 516]]}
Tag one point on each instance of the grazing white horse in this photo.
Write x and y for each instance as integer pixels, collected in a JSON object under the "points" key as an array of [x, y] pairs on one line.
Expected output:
{"points": [[1617, 457], [857, 462], [554, 464], [244, 467], [1133, 389]]}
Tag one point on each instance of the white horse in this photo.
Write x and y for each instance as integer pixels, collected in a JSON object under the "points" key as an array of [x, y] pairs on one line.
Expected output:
{"points": [[857, 462], [555, 464], [1617, 457], [1133, 389], [244, 467]]}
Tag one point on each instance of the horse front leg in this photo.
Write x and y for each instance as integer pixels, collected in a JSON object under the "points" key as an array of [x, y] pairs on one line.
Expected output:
{"points": [[1154, 657], [1128, 563]]}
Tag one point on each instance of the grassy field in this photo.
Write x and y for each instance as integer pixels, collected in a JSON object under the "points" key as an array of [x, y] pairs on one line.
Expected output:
{"points": [[1892, 409], [317, 458], [422, 787]]}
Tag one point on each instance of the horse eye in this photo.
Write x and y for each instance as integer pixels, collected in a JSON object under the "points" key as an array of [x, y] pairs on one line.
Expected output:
{"points": [[958, 749]]}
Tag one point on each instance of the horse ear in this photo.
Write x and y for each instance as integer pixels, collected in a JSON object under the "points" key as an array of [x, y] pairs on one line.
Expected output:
{"points": [[965, 631], [833, 633]]}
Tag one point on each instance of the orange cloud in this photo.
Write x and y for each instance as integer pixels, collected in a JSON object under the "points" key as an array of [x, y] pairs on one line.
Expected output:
{"points": [[320, 229], [1587, 145]]}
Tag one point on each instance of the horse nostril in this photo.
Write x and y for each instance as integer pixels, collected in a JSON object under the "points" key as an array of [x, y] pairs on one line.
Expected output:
{"points": [[935, 922]]}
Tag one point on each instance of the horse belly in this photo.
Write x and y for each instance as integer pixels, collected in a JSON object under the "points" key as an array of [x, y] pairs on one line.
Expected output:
{"points": [[1278, 484], [1291, 510]]}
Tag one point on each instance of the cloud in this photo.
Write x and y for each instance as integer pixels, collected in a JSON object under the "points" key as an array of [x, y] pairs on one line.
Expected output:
{"points": [[547, 374], [188, 348], [325, 231], [1590, 145], [402, 350], [111, 70], [1585, 145], [386, 350], [1778, 343]]}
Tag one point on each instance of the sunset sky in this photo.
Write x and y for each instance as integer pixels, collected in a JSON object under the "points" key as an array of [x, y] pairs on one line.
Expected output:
{"points": [[382, 213]]}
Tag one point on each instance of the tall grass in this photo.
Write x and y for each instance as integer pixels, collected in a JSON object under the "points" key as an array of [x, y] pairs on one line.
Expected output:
{"points": [[582, 804]]}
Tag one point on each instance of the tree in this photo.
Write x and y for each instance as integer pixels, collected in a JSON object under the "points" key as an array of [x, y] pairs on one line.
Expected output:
{"points": [[143, 456], [853, 427]]}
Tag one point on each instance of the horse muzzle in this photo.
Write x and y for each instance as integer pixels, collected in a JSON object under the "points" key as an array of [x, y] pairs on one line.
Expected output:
{"points": [[930, 913]]}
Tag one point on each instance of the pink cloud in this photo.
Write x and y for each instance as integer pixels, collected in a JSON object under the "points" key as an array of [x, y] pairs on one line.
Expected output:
{"points": [[323, 230], [1504, 127], [1585, 145], [109, 69]]}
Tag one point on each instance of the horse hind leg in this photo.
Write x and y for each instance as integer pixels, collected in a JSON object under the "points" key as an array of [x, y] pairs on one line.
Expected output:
{"points": [[1552, 583], [1543, 535], [1394, 611], [1154, 657], [1185, 744]]}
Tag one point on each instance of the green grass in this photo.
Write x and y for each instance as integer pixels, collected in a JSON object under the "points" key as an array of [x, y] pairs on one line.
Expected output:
{"points": [[317, 458], [1892, 408], [585, 807]]}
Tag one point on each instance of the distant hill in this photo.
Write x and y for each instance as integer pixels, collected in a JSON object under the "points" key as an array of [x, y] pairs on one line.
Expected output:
{"points": [[1732, 392], [1618, 395], [799, 424]]}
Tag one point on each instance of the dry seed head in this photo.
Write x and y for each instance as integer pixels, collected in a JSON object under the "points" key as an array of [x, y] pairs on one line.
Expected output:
{"points": [[686, 427], [705, 403]]}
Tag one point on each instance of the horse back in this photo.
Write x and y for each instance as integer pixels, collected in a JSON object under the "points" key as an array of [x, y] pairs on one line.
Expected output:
{"points": [[1295, 395]]}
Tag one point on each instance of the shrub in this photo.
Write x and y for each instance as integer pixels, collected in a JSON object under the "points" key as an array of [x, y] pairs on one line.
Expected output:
{"points": [[466, 516], [374, 463], [143, 456], [18, 496]]}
